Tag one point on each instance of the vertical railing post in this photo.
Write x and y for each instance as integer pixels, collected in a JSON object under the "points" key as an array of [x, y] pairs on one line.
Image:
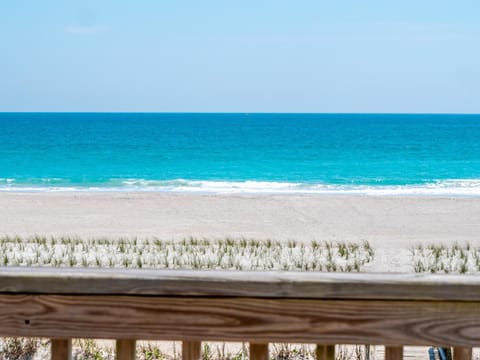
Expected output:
{"points": [[393, 352], [126, 350], [462, 353], [258, 351], [191, 350], [325, 352], [61, 349]]}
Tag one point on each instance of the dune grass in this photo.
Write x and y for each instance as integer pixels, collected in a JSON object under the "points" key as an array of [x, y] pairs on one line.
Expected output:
{"points": [[192, 253], [453, 259]]}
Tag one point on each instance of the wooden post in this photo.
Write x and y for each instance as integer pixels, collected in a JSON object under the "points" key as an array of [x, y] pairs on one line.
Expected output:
{"points": [[462, 353], [61, 349], [126, 350], [191, 350], [325, 352], [258, 351], [393, 352]]}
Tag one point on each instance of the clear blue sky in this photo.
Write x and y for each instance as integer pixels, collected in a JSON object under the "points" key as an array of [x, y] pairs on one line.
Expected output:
{"points": [[240, 56]]}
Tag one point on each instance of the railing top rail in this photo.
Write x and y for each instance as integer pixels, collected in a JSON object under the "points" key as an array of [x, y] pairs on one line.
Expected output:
{"points": [[259, 284]]}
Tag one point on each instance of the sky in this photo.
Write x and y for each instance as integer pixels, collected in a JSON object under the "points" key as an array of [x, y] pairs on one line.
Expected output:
{"points": [[404, 56]]}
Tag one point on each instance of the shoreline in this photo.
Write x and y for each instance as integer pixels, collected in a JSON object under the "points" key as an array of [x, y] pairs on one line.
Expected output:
{"points": [[455, 187], [107, 191], [462, 189]]}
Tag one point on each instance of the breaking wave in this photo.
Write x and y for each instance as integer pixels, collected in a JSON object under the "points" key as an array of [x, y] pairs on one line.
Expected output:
{"points": [[454, 187]]}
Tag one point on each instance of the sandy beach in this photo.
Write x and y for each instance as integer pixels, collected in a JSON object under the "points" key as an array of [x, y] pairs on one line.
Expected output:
{"points": [[392, 225], [389, 222]]}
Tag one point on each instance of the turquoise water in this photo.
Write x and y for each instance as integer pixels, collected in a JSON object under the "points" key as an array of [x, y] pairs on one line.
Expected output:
{"points": [[321, 153]]}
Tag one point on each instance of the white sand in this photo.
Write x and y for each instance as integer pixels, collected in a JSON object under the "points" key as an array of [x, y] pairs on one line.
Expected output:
{"points": [[391, 224], [384, 221]]}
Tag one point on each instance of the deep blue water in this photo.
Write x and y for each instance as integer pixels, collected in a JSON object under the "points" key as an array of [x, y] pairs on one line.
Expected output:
{"points": [[240, 152]]}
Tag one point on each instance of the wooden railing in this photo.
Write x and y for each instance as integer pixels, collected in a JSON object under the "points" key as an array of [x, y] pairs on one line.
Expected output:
{"points": [[258, 307]]}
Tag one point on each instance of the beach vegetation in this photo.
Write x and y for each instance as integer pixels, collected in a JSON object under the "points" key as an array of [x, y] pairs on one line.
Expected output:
{"points": [[439, 258], [150, 351], [88, 349], [189, 253], [19, 348]]}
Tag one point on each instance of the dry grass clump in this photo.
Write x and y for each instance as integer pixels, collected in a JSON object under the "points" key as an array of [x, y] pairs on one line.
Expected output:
{"points": [[223, 352], [355, 352], [152, 352], [19, 348], [292, 352], [88, 349], [192, 253], [457, 259]]}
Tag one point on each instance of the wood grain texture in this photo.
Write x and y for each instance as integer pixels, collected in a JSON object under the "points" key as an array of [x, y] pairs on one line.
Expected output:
{"points": [[191, 350], [126, 349], [61, 349], [268, 284], [394, 353], [258, 351], [391, 323], [325, 352], [462, 353]]}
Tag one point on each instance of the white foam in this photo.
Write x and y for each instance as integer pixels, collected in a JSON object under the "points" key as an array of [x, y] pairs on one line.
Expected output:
{"points": [[454, 187]]}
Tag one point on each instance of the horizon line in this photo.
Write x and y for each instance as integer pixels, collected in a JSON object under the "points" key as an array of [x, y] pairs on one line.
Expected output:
{"points": [[238, 112]]}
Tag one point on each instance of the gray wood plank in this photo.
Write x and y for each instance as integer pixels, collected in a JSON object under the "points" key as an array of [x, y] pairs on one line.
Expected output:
{"points": [[239, 284], [390, 323]]}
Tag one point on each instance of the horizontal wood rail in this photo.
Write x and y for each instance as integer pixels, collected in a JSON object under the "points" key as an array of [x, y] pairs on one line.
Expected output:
{"points": [[257, 307]]}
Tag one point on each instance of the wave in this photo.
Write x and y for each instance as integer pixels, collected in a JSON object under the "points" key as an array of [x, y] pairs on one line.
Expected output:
{"points": [[451, 187]]}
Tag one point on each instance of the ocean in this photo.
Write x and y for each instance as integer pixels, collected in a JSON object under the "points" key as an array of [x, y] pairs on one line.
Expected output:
{"points": [[384, 154]]}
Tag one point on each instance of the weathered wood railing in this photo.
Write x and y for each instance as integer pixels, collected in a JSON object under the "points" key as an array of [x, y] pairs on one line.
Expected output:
{"points": [[257, 307]]}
